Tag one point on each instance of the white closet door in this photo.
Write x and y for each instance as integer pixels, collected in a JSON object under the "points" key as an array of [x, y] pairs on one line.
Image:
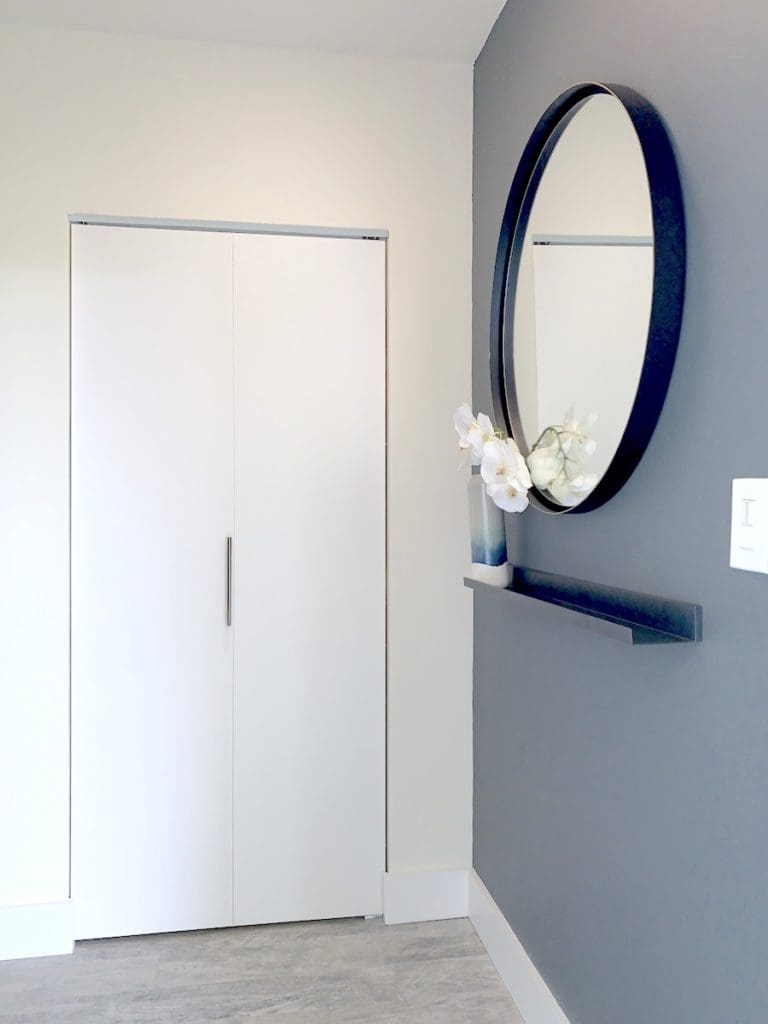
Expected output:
{"points": [[309, 597], [152, 506]]}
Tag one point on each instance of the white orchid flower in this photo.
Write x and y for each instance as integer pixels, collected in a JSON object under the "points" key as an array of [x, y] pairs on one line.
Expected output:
{"points": [[474, 432], [545, 464], [508, 497], [561, 491], [584, 483], [571, 490], [506, 476], [577, 426], [556, 461], [576, 432], [502, 459], [588, 446]]}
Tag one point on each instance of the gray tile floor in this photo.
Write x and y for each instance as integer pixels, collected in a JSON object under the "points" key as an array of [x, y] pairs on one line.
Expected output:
{"points": [[335, 972]]}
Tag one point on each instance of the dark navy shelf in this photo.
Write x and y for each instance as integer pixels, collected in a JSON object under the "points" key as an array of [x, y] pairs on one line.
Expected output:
{"points": [[625, 615]]}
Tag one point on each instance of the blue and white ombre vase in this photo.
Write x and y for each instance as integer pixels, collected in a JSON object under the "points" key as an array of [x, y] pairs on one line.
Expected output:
{"points": [[487, 536]]}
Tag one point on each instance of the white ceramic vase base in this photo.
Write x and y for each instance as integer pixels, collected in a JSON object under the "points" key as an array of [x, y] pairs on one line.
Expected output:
{"points": [[495, 575]]}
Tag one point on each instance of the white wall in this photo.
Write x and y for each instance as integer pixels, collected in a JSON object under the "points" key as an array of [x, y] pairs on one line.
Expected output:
{"points": [[595, 182], [144, 127], [593, 304]]}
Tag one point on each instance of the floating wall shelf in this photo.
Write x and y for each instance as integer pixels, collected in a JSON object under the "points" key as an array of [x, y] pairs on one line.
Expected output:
{"points": [[625, 615]]}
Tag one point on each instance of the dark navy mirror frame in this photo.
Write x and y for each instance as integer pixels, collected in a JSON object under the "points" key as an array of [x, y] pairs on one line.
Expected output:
{"points": [[668, 280]]}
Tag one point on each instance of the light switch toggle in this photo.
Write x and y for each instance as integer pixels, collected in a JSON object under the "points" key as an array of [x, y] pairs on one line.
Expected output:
{"points": [[749, 525]]}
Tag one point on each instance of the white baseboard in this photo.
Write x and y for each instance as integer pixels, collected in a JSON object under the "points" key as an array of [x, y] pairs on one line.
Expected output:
{"points": [[47, 929], [411, 896], [37, 929], [526, 986]]}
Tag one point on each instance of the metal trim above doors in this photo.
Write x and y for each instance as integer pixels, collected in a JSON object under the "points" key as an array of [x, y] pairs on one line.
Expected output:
{"points": [[231, 227]]}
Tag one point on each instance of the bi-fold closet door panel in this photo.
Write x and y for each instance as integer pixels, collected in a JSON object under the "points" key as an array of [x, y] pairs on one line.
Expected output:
{"points": [[152, 480], [226, 386], [309, 584]]}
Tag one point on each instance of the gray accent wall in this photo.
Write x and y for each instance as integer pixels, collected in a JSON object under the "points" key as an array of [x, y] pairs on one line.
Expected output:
{"points": [[621, 794]]}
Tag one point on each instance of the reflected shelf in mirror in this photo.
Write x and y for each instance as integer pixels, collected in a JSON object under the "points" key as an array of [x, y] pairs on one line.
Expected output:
{"points": [[641, 241]]}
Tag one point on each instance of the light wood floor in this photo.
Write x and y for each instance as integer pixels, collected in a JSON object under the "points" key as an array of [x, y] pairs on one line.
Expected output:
{"points": [[328, 973]]}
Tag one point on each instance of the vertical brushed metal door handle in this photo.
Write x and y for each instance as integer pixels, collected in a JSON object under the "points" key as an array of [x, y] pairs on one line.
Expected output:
{"points": [[229, 581]]}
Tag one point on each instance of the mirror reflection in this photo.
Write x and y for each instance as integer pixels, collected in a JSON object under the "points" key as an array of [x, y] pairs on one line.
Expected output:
{"points": [[583, 300]]}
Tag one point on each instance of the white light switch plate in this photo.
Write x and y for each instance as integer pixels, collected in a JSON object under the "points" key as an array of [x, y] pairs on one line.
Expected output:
{"points": [[749, 525]]}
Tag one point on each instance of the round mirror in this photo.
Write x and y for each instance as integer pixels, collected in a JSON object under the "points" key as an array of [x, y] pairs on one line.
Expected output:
{"points": [[588, 293]]}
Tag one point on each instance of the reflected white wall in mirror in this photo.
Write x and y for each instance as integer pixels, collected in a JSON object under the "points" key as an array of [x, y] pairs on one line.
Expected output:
{"points": [[585, 281]]}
